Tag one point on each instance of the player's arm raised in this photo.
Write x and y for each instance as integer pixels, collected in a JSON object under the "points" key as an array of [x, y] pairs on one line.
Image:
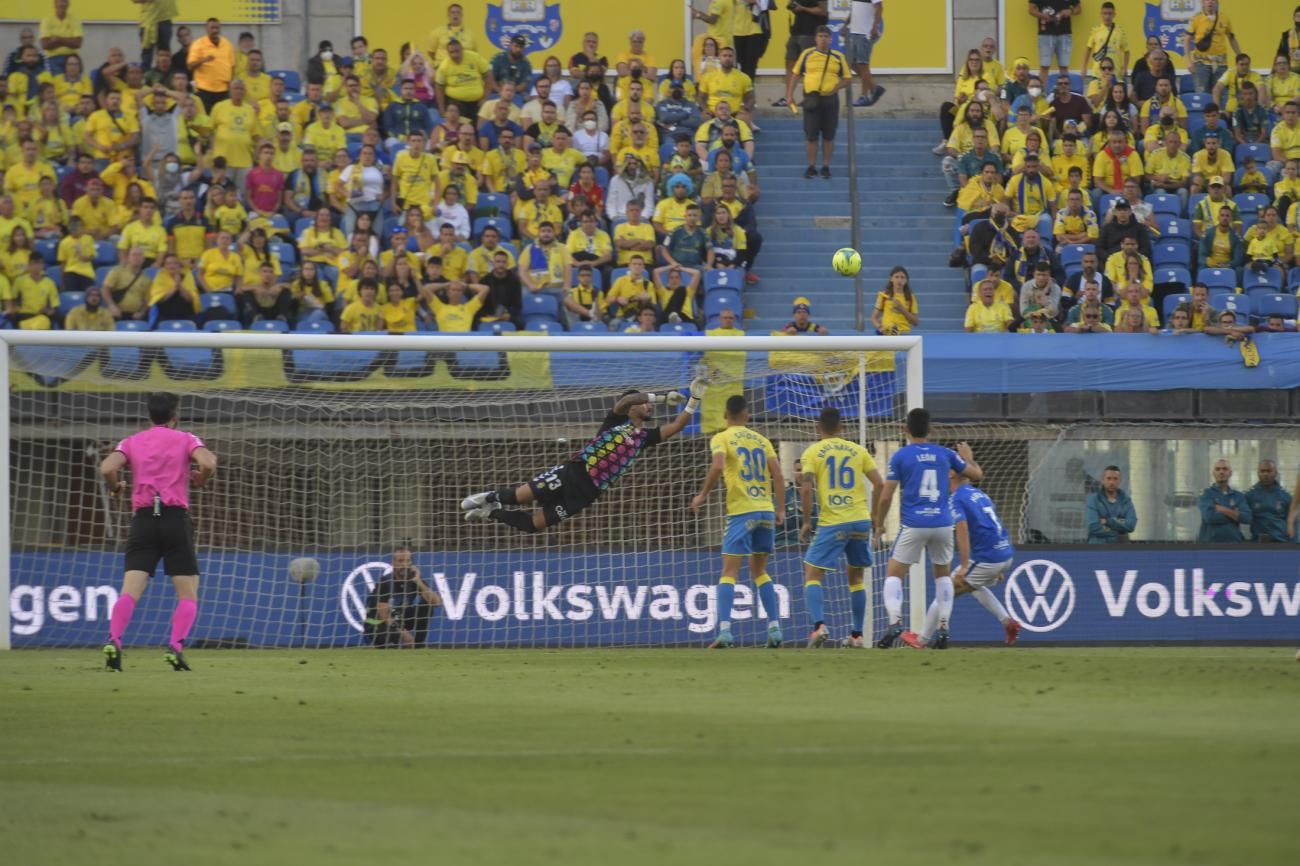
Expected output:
{"points": [[207, 466], [972, 470], [716, 466], [111, 469], [698, 386]]}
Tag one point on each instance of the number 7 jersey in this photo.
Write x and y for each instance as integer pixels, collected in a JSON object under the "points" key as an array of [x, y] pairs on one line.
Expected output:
{"points": [[840, 468], [745, 469], [921, 470]]}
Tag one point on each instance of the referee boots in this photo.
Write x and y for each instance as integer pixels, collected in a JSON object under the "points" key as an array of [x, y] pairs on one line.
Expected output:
{"points": [[176, 659], [112, 657]]}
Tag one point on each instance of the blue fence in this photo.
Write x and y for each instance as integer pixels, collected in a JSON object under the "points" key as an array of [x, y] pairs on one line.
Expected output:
{"points": [[521, 598]]}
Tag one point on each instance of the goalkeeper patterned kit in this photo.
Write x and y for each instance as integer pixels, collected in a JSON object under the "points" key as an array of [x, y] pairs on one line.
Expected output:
{"points": [[569, 488]]}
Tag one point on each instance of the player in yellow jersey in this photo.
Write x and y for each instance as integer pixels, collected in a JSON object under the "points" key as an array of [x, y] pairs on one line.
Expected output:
{"points": [[838, 468], [751, 473]]}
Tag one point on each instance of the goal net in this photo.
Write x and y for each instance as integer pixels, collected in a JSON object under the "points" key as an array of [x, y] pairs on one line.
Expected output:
{"points": [[334, 451]]}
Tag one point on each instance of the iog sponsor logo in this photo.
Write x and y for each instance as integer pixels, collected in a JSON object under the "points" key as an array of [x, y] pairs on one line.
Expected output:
{"points": [[1040, 594]]}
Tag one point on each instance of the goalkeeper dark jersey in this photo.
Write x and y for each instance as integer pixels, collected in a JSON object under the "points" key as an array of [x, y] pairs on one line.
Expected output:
{"points": [[614, 449]]}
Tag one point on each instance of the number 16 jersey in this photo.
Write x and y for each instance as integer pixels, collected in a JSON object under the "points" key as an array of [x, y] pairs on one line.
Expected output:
{"points": [[840, 468], [921, 470]]}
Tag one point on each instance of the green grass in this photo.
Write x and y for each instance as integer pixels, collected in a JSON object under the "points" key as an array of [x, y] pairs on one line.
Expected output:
{"points": [[1034, 756]]}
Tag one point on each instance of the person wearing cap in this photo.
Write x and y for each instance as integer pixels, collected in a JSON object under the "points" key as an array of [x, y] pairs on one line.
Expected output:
{"points": [[325, 136], [286, 156], [1221, 246], [211, 61], [1206, 212], [512, 65], [1212, 163], [1018, 85], [465, 78], [825, 73], [632, 182], [456, 172], [670, 213], [802, 322]]}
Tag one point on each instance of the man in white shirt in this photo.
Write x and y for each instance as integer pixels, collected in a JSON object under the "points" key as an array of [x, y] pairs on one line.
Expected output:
{"points": [[866, 19]]}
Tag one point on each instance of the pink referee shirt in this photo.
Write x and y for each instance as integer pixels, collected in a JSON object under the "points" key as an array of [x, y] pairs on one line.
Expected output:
{"points": [[160, 463]]}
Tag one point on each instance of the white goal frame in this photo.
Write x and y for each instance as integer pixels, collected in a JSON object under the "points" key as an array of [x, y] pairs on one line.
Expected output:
{"points": [[909, 345]]}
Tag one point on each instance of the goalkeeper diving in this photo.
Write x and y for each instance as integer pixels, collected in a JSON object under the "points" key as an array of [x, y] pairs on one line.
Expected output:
{"points": [[566, 490]]}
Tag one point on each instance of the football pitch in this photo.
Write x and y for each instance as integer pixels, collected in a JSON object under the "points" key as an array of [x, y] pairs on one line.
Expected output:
{"points": [[970, 756]]}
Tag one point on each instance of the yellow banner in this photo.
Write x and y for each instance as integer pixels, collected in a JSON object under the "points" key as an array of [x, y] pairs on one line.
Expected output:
{"points": [[917, 36], [229, 11], [1258, 25]]}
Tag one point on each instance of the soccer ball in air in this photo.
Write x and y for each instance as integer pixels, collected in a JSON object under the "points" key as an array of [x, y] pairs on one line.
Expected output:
{"points": [[847, 262]]}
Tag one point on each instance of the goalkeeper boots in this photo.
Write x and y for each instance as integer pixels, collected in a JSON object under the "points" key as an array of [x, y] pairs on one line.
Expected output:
{"points": [[724, 640], [481, 513], [176, 659], [854, 642], [113, 657], [774, 636], [940, 639], [890, 639], [819, 636], [478, 500], [1012, 630]]}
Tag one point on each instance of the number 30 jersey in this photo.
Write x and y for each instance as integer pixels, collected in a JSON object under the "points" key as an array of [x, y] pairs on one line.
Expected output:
{"points": [[840, 468], [745, 469], [921, 470]]}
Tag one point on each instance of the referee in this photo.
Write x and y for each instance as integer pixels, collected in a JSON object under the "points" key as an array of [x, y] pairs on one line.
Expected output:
{"points": [[159, 459], [825, 73]]}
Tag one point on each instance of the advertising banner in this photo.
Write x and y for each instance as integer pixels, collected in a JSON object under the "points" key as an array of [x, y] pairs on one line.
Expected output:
{"points": [[126, 11], [1094, 595]]}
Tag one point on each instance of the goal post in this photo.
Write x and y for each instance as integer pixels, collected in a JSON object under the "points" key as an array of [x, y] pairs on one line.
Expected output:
{"points": [[338, 448]]}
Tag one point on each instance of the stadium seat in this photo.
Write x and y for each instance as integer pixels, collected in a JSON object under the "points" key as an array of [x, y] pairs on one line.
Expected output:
{"points": [[287, 254], [1195, 121], [1163, 203], [291, 78], [271, 326], [1192, 201], [726, 278], [293, 98], [48, 249], [279, 223], [680, 329], [1171, 253], [717, 301], [1263, 169], [978, 273], [1072, 254], [1171, 303], [1272, 279], [1251, 202], [333, 365], [589, 329], [301, 225], [545, 326], [1076, 83], [68, 300], [491, 204], [1248, 221], [510, 246], [217, 326], [105, 253], [1107, 202], [1196, 101], [602, 177], [1172, 227], [186, 363], [1239, 304], [307, 326], [615, 274], [219, 305], [125, 362], [1261, 151], [55, 273], [501, 224], [1186, 82], [101, 274], [1044, 228], [496, 327], [597, 278], [1219, 278], [1268, 305], [1173, 276], [537, 304]]}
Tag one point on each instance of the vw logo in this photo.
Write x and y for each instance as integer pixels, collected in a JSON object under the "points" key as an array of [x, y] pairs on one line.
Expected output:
{"points": [[1040, 594], [356, 591]]}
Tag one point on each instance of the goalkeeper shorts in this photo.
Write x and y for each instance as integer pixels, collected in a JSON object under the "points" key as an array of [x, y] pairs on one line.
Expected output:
{"points": [[167, 537], [564, 491]]}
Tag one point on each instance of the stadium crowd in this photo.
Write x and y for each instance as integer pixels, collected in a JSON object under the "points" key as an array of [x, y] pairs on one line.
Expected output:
{"points": [[1126, 196], [449, 186]]}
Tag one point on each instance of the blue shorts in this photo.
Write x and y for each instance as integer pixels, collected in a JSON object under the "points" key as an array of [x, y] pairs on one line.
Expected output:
{"points": [[749, 533], [850, 540], [859, 49]]}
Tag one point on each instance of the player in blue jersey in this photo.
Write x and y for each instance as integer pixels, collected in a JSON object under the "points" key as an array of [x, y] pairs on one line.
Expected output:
{"points": [[920, 468], [984, 553], [751, 472], [565, 490]]}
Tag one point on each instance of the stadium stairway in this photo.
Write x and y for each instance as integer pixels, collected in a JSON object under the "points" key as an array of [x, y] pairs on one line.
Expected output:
{"points": [[903, 222]]}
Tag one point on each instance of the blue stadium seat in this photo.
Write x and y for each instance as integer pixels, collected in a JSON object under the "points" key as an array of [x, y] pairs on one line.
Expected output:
{"points": [[602, 177], [125, 362], [1272, 279], [1171, 303], [68, 300], [186, 363], [54, 362], [545, 326], [292, 97], [1173, 275], [1107, 202], [101, 274], [1268, 305], [1044, 228], [334, 365], [292, 79], [489, 200], [501, 224], [725, 278], [718, 300], [271, 326], [306, 326], [105, 253], [1251, 202], [1163, 203], [1076, 83], [1192, 201], [48, 249], [1195, 121], [279, 223], [301, 225], [1248, 221], [1263, 169], [1171, 253], [221, 325], [287, 254], [679, 329], [497, 327], [219, 305], [597, 278], [1196, 101], [978, 273], [1172, 227], [1072, 254], [1186, 83], [1261, 151], [589, 329], [1239, 304], [55, 273], [539, 305], [1219, 278]]}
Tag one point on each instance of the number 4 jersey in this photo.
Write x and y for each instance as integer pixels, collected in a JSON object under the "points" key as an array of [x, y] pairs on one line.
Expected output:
{"points": [[921, 470], [840, 468], [745, 469]]}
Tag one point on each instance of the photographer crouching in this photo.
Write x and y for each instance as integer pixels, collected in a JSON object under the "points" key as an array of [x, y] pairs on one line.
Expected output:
{"points": [[400, 606]]}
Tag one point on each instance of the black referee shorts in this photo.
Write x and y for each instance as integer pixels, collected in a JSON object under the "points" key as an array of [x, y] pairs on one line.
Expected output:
{"points": [[821, 116], [563, 491], [169, 537]]}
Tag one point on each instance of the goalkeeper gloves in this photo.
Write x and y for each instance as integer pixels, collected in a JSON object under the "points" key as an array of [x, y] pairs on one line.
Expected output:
{"points": [[699, 385]]}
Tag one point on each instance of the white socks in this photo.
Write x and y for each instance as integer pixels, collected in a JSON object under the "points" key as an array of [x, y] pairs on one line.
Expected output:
{"points": [[894, 599], [943, 598], [991, 603], [931, 622]]}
